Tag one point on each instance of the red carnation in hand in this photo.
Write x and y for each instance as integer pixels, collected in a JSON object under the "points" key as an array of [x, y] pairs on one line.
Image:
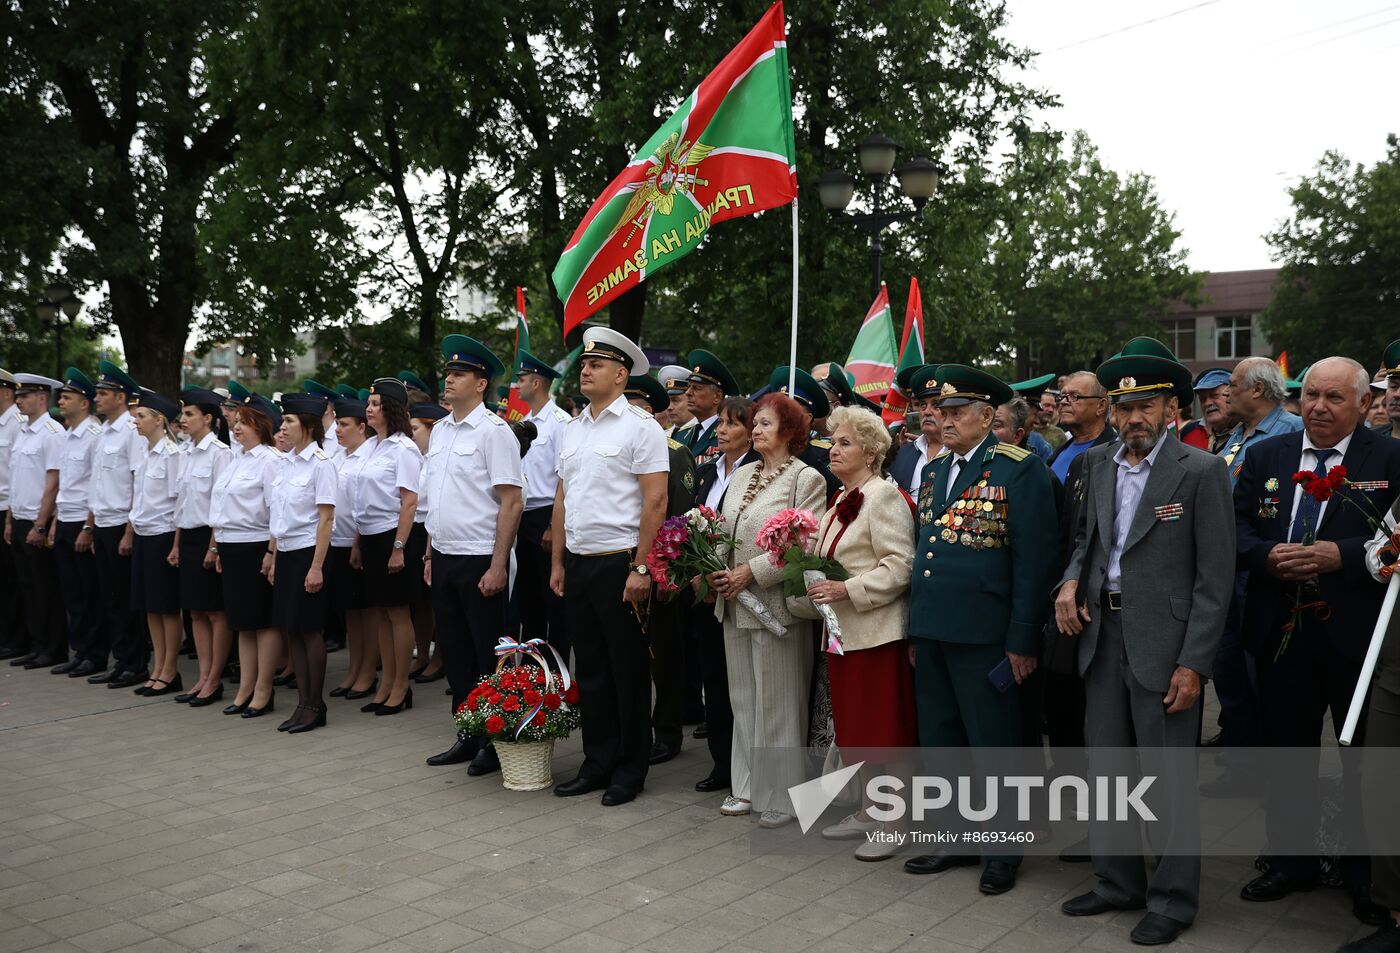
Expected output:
{"points": [[1321, 490], [1337, 476], [552, 701], [532, 698], [571, 695], [511, 703], [495, 724]]}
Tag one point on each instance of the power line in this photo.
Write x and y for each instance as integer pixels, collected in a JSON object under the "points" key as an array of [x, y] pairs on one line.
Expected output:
{"points": [[1333, 39], [1328, 26], [1133, 26]]}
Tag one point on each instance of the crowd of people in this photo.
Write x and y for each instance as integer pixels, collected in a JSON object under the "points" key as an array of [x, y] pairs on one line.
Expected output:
{"points": [[1072, 556]]}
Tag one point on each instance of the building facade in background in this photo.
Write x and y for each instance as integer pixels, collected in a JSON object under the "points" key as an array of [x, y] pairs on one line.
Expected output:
{"points": [[1223, 328]]}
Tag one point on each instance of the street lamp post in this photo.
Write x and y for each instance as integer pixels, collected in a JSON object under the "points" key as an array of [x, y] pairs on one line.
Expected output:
{"points": [[918, 180], [58, 300]]}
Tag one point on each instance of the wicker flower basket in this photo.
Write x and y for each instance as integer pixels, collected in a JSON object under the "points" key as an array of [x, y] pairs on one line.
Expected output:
{"points": [[526, 766]]}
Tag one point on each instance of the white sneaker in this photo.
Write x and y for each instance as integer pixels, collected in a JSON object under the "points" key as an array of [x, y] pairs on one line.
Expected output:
{"points": [[735, 807], [849, 828], [772, 819], [876, 850]]}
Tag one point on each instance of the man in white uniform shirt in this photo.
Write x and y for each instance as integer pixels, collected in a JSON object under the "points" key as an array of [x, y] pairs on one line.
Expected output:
{"points": [[34, 461], [70, 533], [11, 620], [119, 447], [613, 468], [472, 478], [541, 611]]}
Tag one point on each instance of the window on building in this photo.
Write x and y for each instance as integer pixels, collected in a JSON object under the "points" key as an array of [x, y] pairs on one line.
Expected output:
{"points": [[1232, 337], [1181, 337]]}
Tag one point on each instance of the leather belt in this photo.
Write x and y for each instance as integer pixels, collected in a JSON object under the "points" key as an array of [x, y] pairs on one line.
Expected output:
{"points": [[1111, 600]]}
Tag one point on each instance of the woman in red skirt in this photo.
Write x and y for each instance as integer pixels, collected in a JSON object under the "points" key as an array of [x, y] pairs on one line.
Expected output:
{"points": [[869, 530]]}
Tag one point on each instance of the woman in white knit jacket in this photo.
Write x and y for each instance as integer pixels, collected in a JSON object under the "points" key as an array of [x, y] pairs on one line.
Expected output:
{"points": [[769, 675]]}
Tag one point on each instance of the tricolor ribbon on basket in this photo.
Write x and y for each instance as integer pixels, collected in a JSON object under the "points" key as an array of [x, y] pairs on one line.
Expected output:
{"points": [[506, 647]]}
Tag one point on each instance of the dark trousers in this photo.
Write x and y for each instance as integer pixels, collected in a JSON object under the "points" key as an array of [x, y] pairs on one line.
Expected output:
{"points": [[542, 613], [1240, 721], [709, 636], [694, 682], [43, 605], [612, 670], [1382, 769], [1309, 680], [467, 623], [957, 705], [12, 631], [77, 574], [126, 629], [666, 637]]}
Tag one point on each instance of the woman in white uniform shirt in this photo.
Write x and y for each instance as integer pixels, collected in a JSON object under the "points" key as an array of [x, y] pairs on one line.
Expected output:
{"points": [[201, 589], [239, 512], [155, 584], [386, 498], [303, 509], [429, 669], [345, 585]]}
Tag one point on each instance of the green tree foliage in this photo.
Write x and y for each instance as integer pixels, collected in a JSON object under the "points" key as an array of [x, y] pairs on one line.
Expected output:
{"points": [[1339, 285]]}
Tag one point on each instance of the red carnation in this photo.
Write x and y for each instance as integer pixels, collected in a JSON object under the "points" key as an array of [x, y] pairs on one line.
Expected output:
{"points": [[495, 724], [507, 680], [495, 698], [1337, 476], [539, 677], [1304, 477], [471, 704], [532, 698], [511, 703], [552, 701], [1321, 490], [571, 695], [538, 719]]}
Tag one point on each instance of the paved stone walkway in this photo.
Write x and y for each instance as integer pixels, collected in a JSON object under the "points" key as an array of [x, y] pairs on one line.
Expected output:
{"points": [[139, 825]]}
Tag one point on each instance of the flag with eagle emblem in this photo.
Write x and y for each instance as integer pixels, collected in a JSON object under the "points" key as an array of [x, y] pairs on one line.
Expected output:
{"points": [[727, 151]]}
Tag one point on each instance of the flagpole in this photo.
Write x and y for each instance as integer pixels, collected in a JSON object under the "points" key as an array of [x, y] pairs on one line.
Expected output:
{"points": [[792, 350]]}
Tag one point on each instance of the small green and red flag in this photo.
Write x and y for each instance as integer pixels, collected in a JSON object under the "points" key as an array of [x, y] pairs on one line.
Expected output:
{"points": [[727, 151], [911, 353], [873, 354], [517, 409]]}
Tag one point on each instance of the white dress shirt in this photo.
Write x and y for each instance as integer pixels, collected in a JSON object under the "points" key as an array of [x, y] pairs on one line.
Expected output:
{"points": [[467, 460], [916, 478], [391, 465], [1127, 494], [200, 468], [10, 422], [343, 529], [301, 484], [240, 502], [600, 459], [722, 478], [1308, 461], [38, 448], [75, 471], [118, 449], [955, 468], [541, 464], [157, 487]]}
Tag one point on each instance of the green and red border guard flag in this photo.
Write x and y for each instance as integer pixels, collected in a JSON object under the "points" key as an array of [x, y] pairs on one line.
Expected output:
{"points": [[517, 409], [911, 352], [873, 354], [727, 151]]}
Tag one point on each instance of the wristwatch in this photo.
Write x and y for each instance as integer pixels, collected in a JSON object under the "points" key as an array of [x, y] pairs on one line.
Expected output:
{"points": [[398, 544], [641, 569], [87, 528]]}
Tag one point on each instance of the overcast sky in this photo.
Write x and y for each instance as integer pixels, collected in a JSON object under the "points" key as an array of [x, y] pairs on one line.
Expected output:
{"points": [[1224, 104]]}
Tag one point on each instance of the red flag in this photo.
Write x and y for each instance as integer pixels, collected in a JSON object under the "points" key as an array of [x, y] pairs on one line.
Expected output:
{"points": [[517, 409], [911, 353], [1283, 363]]}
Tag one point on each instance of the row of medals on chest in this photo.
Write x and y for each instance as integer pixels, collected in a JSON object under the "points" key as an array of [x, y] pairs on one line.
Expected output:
{"points": [[980, 518]]}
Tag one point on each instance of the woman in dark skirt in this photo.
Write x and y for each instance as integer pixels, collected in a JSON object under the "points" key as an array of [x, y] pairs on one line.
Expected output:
{"points": [[239, 513], [201, 589], [429, 669], [303, 511], [155, 584], [386, 497], [345, 585]]}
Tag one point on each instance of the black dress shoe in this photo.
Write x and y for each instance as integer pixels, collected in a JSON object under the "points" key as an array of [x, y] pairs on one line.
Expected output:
{"points": [[102, 678], [238, 708], [619, 794], [63, 668], [333, 645], [462, 751], [937, 863], [1155, 929], [354, 696], [1369, 912], [425, 679], [304, 726], [292, 720], [579, 785], [1214, 741], [40, 661], [711, 783], [1275, 885], [85, 667], [8, 652], [339, 691], [162, 687], [200, 701], [388, 709], [701, 731], [485, 762], [371, 708], [24, 659], [660, 754], [1091, 905], [251, 712], [184, 698], [287, 680], [1384, 940], [997, 878], [128, 679]]}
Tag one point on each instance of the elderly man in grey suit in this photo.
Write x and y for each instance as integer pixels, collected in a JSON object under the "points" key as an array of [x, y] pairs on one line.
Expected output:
{"points": [[1146, 593]]}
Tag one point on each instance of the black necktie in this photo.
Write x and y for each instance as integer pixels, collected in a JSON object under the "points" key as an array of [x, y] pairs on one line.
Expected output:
{"points": [[1305, 520]]}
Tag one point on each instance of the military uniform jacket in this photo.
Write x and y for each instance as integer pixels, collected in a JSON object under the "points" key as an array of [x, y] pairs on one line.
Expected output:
{"points": [[986, 553], [706, 445], [680, 485]]}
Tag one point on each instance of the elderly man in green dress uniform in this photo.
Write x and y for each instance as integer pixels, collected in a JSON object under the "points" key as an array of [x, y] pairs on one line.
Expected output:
{"points": [[710, 382], [984, 565]]}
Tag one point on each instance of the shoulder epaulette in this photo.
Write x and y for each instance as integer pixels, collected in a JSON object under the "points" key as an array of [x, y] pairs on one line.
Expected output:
{"points": [[220, 444], [320, 454], [676, 444], [1009, 450], [93, 426], [277, 453], [562, 415], [943, 452], [645, 415], [821, 443], [495, 421], [53, 425]]}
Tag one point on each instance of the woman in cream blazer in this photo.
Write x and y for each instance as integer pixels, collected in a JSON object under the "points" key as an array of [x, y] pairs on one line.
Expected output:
{"points": [[769, 675]]}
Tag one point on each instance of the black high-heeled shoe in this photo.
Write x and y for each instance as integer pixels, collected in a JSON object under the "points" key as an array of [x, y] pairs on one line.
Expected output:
{"points": [[257, 712], [185, 697], [371, 708], [238, 708], [318, 722], [286, 680], [395, 709], [339, 691], [428, 679], [165, 687], [200, 701], [355, 696], [292, 720]]}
